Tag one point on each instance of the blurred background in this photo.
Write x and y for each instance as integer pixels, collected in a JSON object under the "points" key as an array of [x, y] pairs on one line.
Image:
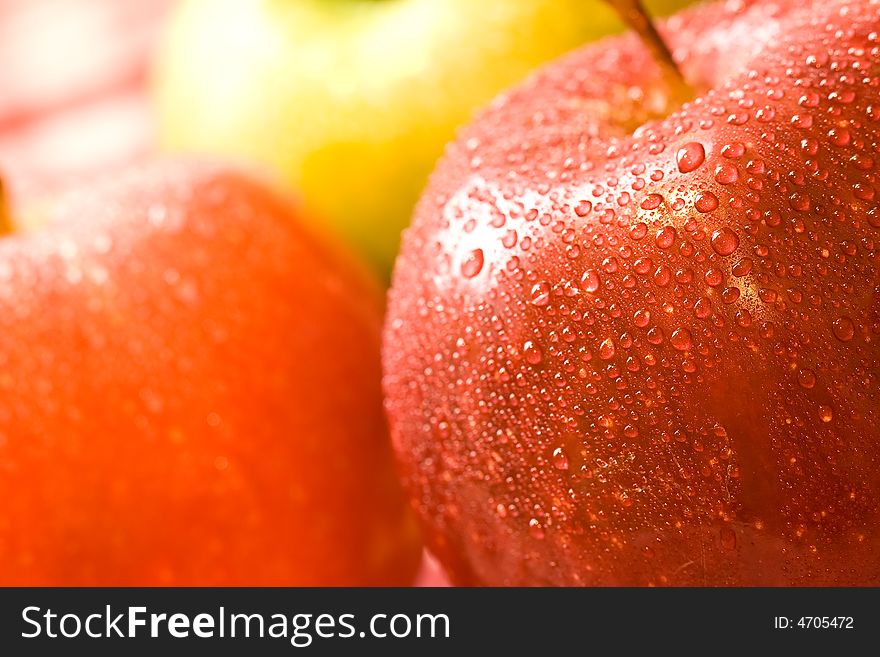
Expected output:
{"points": [[74, 79]]}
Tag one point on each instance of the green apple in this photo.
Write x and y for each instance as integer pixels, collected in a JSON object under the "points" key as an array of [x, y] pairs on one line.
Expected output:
{"points": [[351, 101]]}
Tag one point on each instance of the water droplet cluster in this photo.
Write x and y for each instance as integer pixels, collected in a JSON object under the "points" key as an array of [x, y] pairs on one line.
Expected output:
{"points": [[665, 369]]}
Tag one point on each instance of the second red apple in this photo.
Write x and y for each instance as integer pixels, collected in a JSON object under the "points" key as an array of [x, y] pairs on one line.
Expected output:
{"points": [[189, 394]]}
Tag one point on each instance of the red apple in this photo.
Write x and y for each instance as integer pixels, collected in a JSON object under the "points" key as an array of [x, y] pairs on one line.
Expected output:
{"points": [[637, 343], [189, 394]]}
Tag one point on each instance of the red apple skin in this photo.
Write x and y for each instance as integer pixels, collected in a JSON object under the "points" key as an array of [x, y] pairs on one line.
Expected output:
{"points": [[190, 395], [594, 376]]}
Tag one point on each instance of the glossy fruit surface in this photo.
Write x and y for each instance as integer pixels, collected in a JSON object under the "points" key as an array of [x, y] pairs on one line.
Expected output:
{"points": [[353, 100], [181, 365], [635, 343]]}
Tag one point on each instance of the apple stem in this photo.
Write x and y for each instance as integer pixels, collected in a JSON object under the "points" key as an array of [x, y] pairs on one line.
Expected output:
{"points": [[5, 220], [633, 13]]}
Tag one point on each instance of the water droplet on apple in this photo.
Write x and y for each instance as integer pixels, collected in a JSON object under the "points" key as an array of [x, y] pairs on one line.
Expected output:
{"points": [[706, 202], [703, 308], [843, 329], [681, 339], [767, 295], [656, 335], [532, 352], [743, 317], [839, 136], [724, 241], [809, 99], [472, 263], [690, 156], [560, 460], [643, 265], [665, 237], [863, 191], [802, 121], [767, 330], [733, 151], [606, 349], [726, 174], [638, 231], [756, 166], [714, 277], [583, 208], [730, 294], [651, 202], [642, 318], [540, 295], [739, 117], [799, 201], [662, 276], [590, 280], [810, 146], [807, 378], [536, 530]]}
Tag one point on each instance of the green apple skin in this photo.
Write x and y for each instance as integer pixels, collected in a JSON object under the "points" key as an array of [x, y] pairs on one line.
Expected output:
{"points": [[352, 101]]}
